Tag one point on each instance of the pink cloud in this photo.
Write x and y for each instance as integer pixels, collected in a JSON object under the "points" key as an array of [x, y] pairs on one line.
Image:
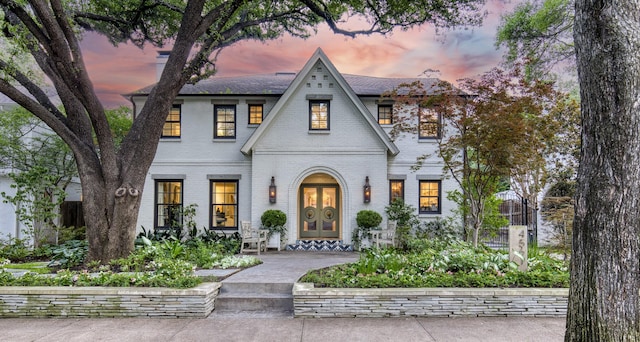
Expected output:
{"points": [[457, 54]]}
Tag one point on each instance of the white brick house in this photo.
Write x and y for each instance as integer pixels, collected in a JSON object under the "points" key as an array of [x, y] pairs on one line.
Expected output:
{"points": [[318, 134]]}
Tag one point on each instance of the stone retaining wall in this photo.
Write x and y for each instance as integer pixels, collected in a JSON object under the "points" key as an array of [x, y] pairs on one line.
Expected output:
{"points": [[425, 302], [21, 301]]}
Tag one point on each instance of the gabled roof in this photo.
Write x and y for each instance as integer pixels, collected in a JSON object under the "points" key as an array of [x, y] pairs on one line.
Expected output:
{"points": [[319, 55]]}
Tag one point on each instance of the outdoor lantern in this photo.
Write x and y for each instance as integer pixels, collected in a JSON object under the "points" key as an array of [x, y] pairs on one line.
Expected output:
{"points": [[272, 191], [367, 190]]}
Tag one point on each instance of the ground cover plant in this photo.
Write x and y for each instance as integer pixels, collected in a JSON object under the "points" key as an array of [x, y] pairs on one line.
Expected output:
{"points": [[164, 262], [441, 263], [18, 250]]}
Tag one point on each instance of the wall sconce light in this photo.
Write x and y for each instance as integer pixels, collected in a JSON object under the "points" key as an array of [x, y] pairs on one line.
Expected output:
{"points": [[272, 191], [367, 190]]}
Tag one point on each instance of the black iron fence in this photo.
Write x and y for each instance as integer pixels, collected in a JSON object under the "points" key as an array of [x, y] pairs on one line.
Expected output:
{"points": [[519, 212]]}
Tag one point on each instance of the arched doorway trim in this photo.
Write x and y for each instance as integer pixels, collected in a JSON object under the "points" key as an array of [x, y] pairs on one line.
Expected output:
{"points": [[293, 192]]}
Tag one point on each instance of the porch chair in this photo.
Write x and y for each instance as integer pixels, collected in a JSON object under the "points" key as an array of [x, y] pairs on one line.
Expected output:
{"points": [[386, 236], [253, 240]]}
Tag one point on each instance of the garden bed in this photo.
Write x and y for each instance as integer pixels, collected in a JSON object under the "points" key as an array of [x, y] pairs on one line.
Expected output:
{"points": [[428, 302]]}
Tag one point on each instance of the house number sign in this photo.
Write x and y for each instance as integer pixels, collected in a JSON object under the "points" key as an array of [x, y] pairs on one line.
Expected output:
{"points": [[518, 246]]}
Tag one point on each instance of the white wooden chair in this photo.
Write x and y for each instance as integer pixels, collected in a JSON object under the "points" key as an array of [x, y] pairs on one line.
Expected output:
{"points": [[253, 240], [386, 236]]}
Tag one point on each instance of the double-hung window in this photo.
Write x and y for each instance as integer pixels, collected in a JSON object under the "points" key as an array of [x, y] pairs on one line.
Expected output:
{"points": [[319, 115], [224, 118], [224, 204], [430, 197], [168, 208], [171, 128], [430, 125], [385, 114], [396, 190], [255, 114]]}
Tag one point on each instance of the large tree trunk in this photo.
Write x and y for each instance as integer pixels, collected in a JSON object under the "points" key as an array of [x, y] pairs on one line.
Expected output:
{"points": [[110, 201], [112, 191], [111, 216], [605, 267]]}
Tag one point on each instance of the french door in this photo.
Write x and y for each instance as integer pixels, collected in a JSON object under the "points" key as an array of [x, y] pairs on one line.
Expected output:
{"points": [[319, 208]]}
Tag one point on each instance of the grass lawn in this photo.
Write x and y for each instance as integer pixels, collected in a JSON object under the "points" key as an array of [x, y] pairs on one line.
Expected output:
{"points": [[39, 267]]}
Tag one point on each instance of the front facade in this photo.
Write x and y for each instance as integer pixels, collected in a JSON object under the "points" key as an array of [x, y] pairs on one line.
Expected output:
{"points": [[305, 143]]}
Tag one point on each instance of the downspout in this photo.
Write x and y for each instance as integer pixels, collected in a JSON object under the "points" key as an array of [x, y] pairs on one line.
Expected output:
{"points": [[133, 105], [17, 226]]}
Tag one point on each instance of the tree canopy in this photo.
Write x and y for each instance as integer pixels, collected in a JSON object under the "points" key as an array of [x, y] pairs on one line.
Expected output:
{"points": [[539, 34], [196, 30]]}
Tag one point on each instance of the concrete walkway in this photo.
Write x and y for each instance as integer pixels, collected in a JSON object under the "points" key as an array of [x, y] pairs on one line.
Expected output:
{"points": [[284, 267], [243, 329], [289, 266]]}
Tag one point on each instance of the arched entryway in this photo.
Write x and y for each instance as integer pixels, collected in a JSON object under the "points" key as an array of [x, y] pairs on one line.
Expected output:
{"points": [[319, 208]]}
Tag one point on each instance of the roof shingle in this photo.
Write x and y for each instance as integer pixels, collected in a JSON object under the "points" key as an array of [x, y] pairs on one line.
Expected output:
{"points": [[277, 84]]}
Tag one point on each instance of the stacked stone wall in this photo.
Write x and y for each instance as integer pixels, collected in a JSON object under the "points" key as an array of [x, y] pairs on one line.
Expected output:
{"points": [[397, 302], [26, 301]]}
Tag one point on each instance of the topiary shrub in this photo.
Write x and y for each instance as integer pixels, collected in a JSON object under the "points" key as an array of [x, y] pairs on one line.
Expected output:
{"points": [[368, 219], [274, 220]]}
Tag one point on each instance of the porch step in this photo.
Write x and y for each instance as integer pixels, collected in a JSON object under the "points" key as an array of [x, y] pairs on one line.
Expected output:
{"points": [[320, 245], [255, 299]]}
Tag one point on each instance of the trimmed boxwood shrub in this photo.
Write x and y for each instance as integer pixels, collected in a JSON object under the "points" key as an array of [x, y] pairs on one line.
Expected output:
{"points": [[368, 219], [273, 218]]}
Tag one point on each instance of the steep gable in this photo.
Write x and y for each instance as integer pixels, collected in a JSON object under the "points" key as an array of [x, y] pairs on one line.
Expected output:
{"points": [[321, 75]]}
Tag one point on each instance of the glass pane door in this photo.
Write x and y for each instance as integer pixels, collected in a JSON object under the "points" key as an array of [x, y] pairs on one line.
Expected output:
{"points": [[319, 211]]}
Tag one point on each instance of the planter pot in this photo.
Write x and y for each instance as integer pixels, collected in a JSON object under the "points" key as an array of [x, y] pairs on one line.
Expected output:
{"points": [[274, 241], [364, 243]]}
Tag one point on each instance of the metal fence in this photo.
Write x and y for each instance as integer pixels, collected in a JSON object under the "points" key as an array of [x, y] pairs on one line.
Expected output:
{"points": [[518, 211]]}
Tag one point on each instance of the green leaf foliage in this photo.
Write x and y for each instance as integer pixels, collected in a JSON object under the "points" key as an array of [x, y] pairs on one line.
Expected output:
{"points": [[440, 263], [273, 218], [500, 125], [368, 219], [538, 33], [165, 263]]}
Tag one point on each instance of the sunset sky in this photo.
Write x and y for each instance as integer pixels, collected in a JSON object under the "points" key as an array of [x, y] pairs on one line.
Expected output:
{"points": [[456, 54]]}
